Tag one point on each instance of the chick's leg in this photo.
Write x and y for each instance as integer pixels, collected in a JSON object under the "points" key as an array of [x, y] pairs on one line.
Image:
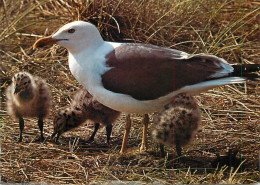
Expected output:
{"points": [[21, 125], [40, 124], [108, 130], [91, 139]]}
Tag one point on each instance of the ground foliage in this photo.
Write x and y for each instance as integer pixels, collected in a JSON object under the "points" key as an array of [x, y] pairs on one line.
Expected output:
{"points": [[230, 114]]}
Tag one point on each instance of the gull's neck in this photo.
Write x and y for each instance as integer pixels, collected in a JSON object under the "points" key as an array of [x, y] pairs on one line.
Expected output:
{"points": [[87, 46], [88, 65]]}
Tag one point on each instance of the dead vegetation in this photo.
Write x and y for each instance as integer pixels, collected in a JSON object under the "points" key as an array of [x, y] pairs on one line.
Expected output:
{"points": [[230, 114]]}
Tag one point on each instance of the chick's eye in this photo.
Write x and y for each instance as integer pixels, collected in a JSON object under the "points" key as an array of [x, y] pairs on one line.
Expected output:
{"points": [[71, 30]]}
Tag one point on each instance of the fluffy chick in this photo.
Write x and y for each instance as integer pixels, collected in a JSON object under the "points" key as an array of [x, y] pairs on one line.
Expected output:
{"points": [[177, 123], [28, 96], [84, 107]]}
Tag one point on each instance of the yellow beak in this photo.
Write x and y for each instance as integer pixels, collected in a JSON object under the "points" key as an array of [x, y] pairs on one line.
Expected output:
{"points": [[45, 42]]}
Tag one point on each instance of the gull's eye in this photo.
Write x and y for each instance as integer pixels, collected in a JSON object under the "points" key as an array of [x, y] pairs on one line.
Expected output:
{"points": [[71, 30]]}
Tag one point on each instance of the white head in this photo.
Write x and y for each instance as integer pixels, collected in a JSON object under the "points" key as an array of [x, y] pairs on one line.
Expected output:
{"points": [[75, 36]]}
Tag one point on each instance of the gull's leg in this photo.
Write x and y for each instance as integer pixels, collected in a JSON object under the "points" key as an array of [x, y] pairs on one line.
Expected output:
{"points": [[126, 134], [144, 138]]}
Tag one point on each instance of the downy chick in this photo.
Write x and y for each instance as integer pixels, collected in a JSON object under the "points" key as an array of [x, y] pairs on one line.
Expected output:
{"points": [[84, 107], [28, 96], [177, 123]]}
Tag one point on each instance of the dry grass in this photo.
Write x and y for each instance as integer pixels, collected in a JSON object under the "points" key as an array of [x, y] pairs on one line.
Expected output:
{"points": [[227, 28]]}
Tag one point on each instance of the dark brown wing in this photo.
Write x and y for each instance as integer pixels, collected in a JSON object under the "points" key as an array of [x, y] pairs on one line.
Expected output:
{"points": [[147, 72]]}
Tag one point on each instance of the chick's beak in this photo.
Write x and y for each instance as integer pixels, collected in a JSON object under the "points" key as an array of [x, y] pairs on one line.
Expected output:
{"points": [[55, 136], [17, 90], [45, 42]]}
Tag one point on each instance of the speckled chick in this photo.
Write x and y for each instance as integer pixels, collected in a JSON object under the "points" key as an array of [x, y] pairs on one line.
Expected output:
{"points": [[84, 107], [28, 96], [177, 123]]}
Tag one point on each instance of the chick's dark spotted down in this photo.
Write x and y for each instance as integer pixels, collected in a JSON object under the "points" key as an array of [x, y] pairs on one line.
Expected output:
{"points": [[84, 107], [177, 123]]}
